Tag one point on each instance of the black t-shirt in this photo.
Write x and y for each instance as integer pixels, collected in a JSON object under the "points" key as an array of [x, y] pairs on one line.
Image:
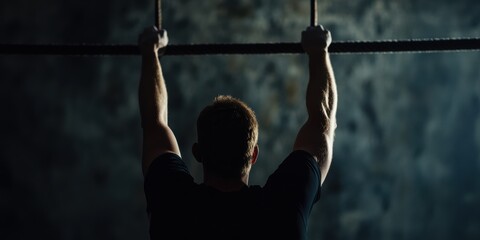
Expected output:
{"points": [[181, 209]]}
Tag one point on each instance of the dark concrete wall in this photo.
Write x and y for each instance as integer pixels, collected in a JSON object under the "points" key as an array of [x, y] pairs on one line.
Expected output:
{"points": [[406, 160]]}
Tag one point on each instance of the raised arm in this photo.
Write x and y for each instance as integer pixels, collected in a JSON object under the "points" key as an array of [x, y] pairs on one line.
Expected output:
{"points": [[316, 135], [158, 138]]}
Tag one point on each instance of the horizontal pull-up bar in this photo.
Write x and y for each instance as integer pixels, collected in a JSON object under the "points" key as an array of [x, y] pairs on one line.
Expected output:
{"points": [[390, 46]]}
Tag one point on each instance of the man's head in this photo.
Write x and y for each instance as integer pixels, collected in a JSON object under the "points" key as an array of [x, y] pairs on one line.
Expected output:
{"points": [[227, 133]]}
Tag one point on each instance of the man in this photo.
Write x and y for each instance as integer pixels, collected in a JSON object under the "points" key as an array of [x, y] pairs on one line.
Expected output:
{"points": [[224, 206]]}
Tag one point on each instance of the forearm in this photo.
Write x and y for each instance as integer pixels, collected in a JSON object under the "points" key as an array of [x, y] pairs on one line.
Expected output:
{"points": [[316, 135], [321, 96], [153, 96]]}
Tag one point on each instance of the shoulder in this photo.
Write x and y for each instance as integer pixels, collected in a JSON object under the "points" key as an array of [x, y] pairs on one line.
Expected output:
{"points": [[298, 175], [166, 180], [167, 169], [301, 154], [300, 160], [168, 161], [158, 139]]}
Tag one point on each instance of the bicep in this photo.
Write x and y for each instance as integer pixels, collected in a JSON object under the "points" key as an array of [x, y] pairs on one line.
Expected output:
{"points": [[313, 139], [157, 140]]}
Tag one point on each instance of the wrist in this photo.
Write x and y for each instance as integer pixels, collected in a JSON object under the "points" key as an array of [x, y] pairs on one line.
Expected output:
{"points": [[149, 54], [318, 54]]}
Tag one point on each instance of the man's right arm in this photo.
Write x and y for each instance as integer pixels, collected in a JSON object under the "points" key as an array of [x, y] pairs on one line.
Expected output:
{"points": [[316, 135]]}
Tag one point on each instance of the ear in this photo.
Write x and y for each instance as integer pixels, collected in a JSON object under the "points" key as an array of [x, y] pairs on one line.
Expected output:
{"points": [[196, 152], [254, 155]]}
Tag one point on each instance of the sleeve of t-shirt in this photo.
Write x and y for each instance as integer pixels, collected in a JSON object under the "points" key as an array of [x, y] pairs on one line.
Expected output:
{"points": [[166, 179], [297, 175], [294, 187]]}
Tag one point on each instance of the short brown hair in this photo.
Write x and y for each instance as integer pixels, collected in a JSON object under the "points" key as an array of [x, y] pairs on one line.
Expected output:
{"points": [[227, 134]]}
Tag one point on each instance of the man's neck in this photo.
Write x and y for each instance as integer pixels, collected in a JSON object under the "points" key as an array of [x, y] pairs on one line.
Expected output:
{"points": [[225, 185]]}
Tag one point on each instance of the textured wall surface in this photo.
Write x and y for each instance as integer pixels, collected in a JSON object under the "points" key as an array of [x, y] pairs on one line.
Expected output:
{"points": [[406, 160]]}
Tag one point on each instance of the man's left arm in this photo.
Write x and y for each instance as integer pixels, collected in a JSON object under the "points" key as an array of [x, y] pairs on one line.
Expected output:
{"points": [[158, 138]]}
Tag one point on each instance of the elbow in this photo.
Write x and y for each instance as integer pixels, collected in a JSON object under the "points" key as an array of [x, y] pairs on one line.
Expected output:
{"points": [[325, 162], [324, 122], [151, 121]]}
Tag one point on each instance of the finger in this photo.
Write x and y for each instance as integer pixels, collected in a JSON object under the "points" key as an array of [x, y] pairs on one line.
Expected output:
{"points": [[165, 34], [162, 32], [165, 38]]}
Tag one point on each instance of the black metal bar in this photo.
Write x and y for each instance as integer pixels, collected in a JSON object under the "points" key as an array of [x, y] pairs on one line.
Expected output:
{"points": [[313, 13], [158, 14], [390, 46]]}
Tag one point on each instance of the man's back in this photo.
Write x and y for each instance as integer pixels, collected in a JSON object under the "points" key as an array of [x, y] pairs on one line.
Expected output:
{"points": [[182, 209], [227, 147]]}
